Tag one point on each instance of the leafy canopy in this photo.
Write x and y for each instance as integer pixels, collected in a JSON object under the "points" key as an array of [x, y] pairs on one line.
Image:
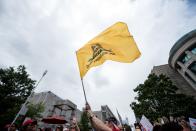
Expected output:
{"points": [[84, 122], [35, 110], [157, 97], [15, 87]]}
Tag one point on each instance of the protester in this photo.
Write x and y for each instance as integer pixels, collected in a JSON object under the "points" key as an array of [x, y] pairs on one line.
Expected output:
{"points": [[127, 128], [185, 125], [39, 129], [6, 127], [59, 128], [112, 123], [48, 129], [157, 128], [13, 127], [98, 124], [74, 128], [171, 126], [29, 125], [73, 125], [10, 127], [137, 127]]}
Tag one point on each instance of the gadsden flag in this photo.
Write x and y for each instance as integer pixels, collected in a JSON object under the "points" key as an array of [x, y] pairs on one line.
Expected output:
{"points": [[115, 43]]}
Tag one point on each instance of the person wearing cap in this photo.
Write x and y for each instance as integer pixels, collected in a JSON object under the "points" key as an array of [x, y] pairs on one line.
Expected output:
{"points": [[29, 125], [59, 128], [98, 124], [112, 123], [13, 127]]}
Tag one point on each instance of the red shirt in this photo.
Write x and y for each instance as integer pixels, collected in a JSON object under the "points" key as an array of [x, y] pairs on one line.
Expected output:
{"points": [[115, 128]]}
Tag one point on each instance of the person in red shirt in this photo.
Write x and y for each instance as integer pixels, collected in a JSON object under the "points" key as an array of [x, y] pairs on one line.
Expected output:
{"points": [[98, 124], [112, 123], [29, 125]]}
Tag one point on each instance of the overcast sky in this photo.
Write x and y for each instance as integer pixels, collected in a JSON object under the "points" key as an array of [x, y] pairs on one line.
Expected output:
{"points": [[44, 34]]}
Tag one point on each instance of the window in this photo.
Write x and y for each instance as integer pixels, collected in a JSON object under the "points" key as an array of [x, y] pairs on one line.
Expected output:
{"points": [[192, 67], [194, 50], [190, 78], [104, 115], [185, 58], [178, 67]]}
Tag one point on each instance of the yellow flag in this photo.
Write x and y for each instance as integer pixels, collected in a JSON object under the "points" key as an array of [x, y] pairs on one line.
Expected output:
{"points": [[115, 43]]}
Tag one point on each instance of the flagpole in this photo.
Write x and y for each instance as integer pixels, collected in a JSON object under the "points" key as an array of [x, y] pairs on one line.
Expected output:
{"points": [[84, 90], [119, 117], [23, 105], [82, 82]]}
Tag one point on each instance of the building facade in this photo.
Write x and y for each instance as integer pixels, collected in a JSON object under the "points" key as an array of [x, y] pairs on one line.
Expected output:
{"points": [[176, 78], [54, 105], [182, 64], [104, 113], [182, 57]]}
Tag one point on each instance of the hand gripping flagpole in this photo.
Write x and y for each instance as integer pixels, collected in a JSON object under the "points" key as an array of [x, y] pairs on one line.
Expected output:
{"points": [[27, 100]]}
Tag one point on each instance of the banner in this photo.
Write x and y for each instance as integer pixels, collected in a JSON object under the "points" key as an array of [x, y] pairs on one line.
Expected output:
{"points": [[192, 123], [146, 124]]}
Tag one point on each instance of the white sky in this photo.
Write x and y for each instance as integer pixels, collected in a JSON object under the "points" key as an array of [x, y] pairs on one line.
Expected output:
{"points": [[44, 34]]}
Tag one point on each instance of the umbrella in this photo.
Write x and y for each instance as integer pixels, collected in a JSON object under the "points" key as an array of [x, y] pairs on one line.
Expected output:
{"points": [[54, 120]]}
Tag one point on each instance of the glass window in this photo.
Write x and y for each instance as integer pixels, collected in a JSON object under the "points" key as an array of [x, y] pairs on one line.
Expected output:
{"points": [[178, 67], [194, 50], [104, 115], [185, 58], [192, 67], [190, 78]]}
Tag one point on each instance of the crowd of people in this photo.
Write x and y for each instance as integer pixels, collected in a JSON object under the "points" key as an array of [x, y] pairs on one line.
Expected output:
{"points": [[168, 126], [31, 125], [178, 125], [110, 124]]}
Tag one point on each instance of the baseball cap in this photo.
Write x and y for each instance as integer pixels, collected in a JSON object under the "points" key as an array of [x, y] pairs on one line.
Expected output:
{"points": [[29, 121]]}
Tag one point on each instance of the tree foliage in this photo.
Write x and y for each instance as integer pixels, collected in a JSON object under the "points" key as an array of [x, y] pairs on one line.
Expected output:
{"points": [[84, 122], [15, 87], [35, 110], [157, 97]]}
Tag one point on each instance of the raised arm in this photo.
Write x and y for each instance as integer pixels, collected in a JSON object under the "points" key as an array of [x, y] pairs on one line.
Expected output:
{"points": [[96, 122]]}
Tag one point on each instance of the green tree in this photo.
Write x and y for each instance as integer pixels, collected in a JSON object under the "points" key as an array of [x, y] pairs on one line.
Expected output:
{"points": [[15, 87], [157, 97], [35, 110], [84, 122]]}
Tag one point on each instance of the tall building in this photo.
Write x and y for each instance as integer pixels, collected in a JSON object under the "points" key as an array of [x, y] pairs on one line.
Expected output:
{"points": [[104, 113], [182, 64], [182, 57], [176, 78]]}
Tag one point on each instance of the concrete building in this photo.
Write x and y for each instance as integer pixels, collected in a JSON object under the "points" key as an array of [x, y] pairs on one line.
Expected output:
{"points": [[104, 113], [182, 64], [176, 78], [182, 57], [54, 105]]}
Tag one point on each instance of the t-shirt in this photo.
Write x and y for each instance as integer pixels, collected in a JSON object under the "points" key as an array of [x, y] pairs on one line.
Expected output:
{"points": [[115, 128]]}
